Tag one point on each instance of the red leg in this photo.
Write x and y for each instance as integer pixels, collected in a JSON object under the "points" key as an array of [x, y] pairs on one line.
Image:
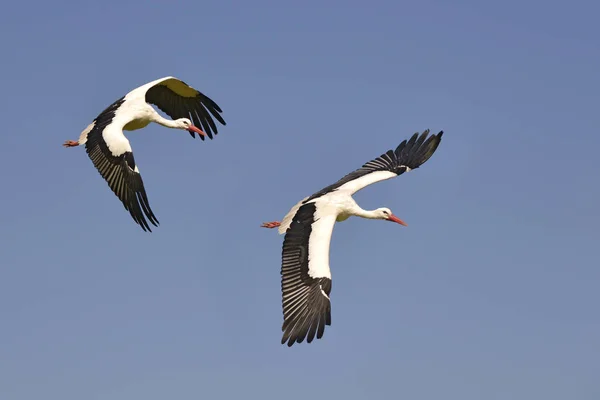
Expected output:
{"points": [[70, 143], [271, 225]]}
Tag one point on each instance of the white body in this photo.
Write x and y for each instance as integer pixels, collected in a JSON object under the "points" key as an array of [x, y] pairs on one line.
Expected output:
{"points": [[308, 226], [133, 114], [333, 207], [343, 205], [111, 152]]}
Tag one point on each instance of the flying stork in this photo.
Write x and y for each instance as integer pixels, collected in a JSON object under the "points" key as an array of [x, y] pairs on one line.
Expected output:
{"points": [[109, 149], [305, 273]]}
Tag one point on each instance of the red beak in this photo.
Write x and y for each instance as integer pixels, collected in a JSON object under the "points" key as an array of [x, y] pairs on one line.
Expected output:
{"points": [[192, 128], [397, 220]]}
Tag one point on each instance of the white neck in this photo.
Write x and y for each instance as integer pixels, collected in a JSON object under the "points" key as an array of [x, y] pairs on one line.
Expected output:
{"points": [[369, 214], [169, 123]]}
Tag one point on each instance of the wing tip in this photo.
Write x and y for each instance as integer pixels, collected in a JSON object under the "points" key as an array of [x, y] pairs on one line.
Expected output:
{"points": [[309, 319], [418, 149], [143, 222], [295, 335]]}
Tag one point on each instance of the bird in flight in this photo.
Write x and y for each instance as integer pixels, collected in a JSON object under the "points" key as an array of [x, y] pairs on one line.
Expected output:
{"points": [[110, 151], [305, 273]]}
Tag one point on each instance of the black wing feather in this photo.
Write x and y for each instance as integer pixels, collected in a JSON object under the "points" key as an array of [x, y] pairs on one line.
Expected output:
{"points": [[197, 108], [306, 310], [412, 154], [119, 171]]}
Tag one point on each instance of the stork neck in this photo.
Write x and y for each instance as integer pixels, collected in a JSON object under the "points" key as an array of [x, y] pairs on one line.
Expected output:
{"points": [[369, 214], [169, 123]]}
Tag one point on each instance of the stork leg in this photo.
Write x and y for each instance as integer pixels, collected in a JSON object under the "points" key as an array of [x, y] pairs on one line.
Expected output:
{"points": [[271, 225], [70, 143]]}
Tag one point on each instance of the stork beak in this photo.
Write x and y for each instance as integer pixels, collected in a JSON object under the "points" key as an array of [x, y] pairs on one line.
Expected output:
{"points": [[397, 220], [193, 129]]}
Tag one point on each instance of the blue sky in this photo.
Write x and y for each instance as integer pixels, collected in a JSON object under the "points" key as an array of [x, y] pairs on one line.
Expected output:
{"points": [[491, 292]]}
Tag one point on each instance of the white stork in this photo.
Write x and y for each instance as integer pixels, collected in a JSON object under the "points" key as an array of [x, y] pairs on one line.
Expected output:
{"points": [[305, 273], [110, 151]]}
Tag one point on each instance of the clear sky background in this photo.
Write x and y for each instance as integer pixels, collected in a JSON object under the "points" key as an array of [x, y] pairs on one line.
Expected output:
{"points": [[491, 292]]}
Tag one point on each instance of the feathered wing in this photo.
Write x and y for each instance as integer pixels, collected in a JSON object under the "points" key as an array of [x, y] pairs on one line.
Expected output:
{"points": [[308, 226], [305, 274], [112, 156], [407, 156], [179, 100], [287, 220]]}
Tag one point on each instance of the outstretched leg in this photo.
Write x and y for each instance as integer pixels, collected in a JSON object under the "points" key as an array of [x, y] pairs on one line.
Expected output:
{"points": [[70, 143], [271, 225]]}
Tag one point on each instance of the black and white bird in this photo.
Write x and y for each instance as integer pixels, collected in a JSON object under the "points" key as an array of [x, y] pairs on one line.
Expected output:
{"points": [[305, 273], [110, 151]]}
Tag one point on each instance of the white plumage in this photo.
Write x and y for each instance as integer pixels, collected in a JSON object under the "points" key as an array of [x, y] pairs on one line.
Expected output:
{"points": [[308, 226], [111, 152]]}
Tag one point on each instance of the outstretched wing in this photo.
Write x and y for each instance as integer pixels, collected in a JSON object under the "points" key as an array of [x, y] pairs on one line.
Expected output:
{"points": [[408, 155], [112, 156], [305, 274], [179, 100]]}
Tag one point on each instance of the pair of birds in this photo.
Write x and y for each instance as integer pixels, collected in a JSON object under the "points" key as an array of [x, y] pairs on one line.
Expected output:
{"points": [[305, 273]]}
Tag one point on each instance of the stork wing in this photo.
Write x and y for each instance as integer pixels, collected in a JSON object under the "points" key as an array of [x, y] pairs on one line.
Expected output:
{"points": [[407, 156], [305, 274], [111, 154], [179, 100]]}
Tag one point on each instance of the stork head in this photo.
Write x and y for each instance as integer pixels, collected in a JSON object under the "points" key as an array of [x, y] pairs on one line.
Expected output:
{"points": [[386, 214], [184, 123]]}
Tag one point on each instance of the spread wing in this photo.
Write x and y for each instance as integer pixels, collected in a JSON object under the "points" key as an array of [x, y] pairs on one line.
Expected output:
{"points": [[408, 155], [179, 100], [305, 274], [112, 156]]}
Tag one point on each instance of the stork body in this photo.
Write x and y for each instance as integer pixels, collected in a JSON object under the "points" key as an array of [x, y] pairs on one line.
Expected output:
{"points": [[110, 151], [308, 226]]}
